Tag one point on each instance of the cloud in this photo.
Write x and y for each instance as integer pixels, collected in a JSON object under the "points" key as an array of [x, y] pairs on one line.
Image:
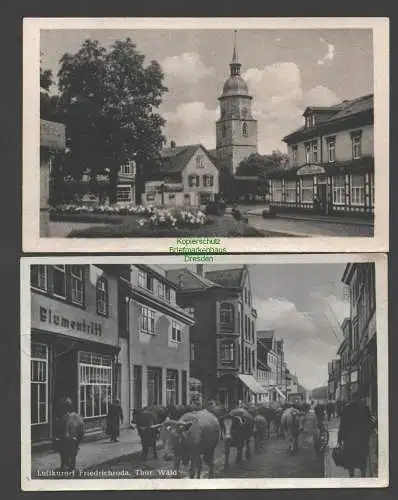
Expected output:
{"points": [[278, 104], [329, 56], [187, 67], [308, 348], [192, 123]]}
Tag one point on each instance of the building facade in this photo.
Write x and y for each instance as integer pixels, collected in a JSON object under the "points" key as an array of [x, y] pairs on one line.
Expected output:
{"points": [[185, 176], [334, 377], [331, 162], [236, 129], [223, 339], [360, 279], [344, 352], [268, 345], [74, 344], [158, 339]]}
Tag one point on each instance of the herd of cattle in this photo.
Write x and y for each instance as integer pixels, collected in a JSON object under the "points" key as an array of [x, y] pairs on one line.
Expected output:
{"points": [[191, 434]]}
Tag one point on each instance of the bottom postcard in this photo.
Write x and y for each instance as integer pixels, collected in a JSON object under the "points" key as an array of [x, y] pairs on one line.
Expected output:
{"points": [[143, 373]]}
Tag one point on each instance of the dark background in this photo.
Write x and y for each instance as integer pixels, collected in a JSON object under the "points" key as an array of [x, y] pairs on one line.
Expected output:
{"points": [[12, 13]]}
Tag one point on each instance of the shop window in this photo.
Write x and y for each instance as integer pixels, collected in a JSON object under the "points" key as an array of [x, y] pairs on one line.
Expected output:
{"points": [[307, 190], [59, 281], [146, 320], [227, 352], [356, 139], [357, 190], [172, 387], [39, 383], [227, 314], [338, 190], [194, 351], [38, 277], [331, 147], [77, 285], [245, 130], [176, 332], [276, 190], [290, 191], [137, 386], [154, 383], [95, 375], [102, 297], [124, 194]]}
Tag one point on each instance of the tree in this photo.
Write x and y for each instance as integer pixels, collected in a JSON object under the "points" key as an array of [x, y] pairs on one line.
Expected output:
{"points": [[255, 165], [48, 102], [108, 100]]}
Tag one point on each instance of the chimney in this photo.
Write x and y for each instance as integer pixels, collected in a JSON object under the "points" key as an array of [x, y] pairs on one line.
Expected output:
{"points": [[181, 280], [199, 269], [172, 144]]}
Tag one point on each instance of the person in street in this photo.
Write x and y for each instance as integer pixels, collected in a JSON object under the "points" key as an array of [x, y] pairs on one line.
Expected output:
{"points": [[330, 410], [113, 420], [356, 426], [69, 434], [320, 437]]}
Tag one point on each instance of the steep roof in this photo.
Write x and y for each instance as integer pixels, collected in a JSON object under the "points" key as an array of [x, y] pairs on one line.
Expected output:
{"points": [[190, 280], [228, 278], [265, 334], [175, 159], [338, 112]]}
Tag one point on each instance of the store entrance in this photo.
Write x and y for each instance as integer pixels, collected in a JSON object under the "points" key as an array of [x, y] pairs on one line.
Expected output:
{"points": [[64, 380]]}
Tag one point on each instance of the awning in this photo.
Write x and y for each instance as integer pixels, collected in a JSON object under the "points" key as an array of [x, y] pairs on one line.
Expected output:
{"points": [[280, 393], [252, 384]]}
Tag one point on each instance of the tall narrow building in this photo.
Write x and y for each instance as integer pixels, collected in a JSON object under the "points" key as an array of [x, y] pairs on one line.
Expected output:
{"points": [[236, 129]]}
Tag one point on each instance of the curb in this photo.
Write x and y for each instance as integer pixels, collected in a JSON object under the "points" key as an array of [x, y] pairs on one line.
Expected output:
{"points": [[326, 221]]}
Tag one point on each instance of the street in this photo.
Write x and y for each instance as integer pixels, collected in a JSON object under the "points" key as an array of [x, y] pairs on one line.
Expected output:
{"points": [[274, 460], [304, 227]]}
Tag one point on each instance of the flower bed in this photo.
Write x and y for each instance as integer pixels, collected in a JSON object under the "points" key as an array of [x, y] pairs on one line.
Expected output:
{"points": [[151, 217]]}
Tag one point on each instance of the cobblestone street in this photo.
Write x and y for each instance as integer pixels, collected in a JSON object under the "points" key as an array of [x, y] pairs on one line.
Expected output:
{"points": [[274, 460]]}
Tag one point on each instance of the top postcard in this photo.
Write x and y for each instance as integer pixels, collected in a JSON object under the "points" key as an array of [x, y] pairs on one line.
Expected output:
{"points": [[206, 136]]}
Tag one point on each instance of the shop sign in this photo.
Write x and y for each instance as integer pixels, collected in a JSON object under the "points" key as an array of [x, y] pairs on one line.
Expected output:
{"points": [[311, 170], [51, 317], [52, 135]]}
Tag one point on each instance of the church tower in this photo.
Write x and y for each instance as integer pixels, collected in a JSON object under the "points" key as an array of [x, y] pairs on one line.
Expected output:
{"points": [[236, 129]]}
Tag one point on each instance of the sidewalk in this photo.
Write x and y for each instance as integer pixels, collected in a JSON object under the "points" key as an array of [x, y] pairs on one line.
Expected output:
{"points": [[331, 470], [91, 453]]}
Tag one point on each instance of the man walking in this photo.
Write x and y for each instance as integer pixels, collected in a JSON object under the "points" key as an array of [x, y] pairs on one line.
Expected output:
{"points": [[69, 434], [113, 420], [356, 425]]}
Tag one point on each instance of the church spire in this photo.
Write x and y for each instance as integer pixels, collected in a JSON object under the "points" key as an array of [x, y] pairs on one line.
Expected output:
{"points": [[235, 65]]}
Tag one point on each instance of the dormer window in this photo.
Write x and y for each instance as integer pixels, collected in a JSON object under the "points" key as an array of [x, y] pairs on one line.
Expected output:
{"points": [[294, 153], [308, 153], [310, 121]]}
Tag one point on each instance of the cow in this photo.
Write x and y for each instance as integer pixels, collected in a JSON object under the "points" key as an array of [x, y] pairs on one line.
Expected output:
{"points": [[260, 430], [291, 424], [148, 421], [238, 428], [187, 440], [272, 416]]}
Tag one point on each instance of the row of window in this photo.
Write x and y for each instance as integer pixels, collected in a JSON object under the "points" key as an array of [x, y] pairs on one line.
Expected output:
{"points": [[155, 385], [288, 193], [194, 180], [147, 324], [155, 286], [67, 282], [312, 154]]}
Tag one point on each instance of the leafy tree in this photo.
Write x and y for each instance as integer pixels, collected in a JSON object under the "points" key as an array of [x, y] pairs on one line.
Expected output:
{"points": [[255, 165], [108, 100], [48, 102]]}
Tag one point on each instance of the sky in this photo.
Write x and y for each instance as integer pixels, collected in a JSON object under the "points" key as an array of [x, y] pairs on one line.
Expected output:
{"points": [[305, 305], [286, 70]]}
